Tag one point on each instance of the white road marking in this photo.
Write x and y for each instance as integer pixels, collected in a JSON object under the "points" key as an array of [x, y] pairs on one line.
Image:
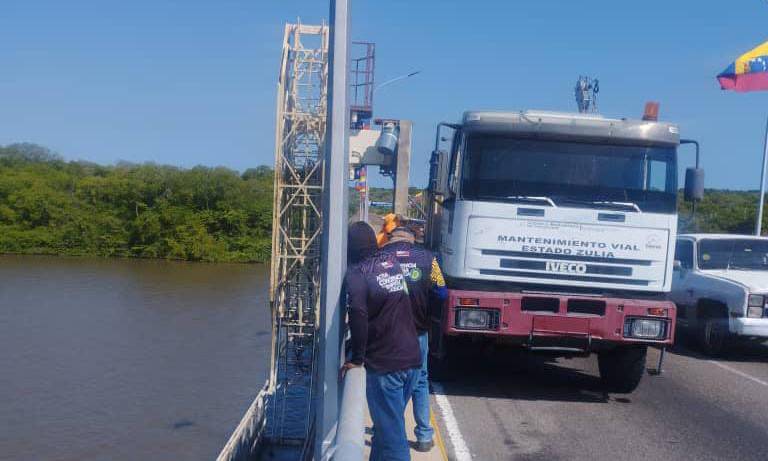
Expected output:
{"points": [[739, 372], [451, 425]]}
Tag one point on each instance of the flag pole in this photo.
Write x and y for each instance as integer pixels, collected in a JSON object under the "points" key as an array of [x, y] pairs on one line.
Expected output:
{"points": [[366, 198], [758, 224]]}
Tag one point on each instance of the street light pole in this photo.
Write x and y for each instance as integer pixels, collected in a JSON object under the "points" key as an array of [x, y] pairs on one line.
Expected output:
{"points": [[366, 200], [393, 80]]}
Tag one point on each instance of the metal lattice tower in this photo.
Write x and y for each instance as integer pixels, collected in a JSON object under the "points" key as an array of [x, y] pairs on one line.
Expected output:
{"points": [[297, 223]]}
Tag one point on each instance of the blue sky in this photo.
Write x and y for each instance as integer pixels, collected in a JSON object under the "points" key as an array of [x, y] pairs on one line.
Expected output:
{"points": [[191, 82]]}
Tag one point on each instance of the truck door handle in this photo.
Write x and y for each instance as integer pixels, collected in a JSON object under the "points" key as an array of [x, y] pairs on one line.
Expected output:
{"points": [[690, 291]]}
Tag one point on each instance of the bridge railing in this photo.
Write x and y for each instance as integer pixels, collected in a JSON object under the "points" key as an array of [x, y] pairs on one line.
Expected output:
{"points": [[243, 442]]}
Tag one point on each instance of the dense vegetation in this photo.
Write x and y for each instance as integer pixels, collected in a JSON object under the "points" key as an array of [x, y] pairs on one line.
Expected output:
{"points": [[49, 206], [723, 211], [377, 194]]}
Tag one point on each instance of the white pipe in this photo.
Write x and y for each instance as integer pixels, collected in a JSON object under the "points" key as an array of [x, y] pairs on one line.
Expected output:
{"points": [[350, 434]]}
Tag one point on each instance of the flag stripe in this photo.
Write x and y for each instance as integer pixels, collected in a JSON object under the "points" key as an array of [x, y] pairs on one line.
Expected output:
{"points": [[745, 61], [754, 81]]}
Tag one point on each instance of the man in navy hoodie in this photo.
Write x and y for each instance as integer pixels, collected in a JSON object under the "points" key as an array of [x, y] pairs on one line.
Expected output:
{"points": [[383, 339], [424, 278]]}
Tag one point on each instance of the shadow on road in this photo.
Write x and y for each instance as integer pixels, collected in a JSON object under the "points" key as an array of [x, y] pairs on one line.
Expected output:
{"points": [[524, 376], [739, 351]]}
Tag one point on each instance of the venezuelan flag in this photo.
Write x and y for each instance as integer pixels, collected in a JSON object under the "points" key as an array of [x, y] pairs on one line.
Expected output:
{"points": [[748, 73]]}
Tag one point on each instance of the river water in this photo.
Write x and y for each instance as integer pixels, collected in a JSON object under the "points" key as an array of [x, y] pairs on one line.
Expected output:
{"points": [[116, 359]]}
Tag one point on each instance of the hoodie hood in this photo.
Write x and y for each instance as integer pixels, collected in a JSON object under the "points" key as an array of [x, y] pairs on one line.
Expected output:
{"points": [[361, 241]]}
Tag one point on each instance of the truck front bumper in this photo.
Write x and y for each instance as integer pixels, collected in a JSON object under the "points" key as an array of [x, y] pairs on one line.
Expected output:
{"points": [[553, 319], [750, 327]]}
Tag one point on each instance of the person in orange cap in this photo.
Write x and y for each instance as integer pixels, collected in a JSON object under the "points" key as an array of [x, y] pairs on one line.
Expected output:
{"points": [[391, 222]]}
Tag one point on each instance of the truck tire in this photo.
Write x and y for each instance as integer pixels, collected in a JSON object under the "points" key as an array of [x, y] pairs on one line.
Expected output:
{"points": [[713, 335], [622, 368]]}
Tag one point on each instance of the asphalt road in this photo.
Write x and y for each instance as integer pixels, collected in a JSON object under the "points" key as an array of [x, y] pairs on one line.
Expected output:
{"points": [[522, 407]]}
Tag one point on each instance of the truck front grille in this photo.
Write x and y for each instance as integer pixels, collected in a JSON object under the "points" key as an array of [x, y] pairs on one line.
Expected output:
{"points": [[586, 306], [539, 304], [555, 276]]}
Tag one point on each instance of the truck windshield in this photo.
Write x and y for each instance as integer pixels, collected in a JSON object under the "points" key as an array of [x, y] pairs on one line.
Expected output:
{"points": [[745, 254], [503, 168]]}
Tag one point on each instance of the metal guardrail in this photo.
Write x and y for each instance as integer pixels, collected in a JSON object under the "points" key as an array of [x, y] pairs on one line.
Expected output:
{"points": [[243, 442], [350, 432]]}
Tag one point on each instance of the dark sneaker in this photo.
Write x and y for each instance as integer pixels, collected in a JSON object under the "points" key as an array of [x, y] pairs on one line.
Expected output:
{"points": [[423, 446]]}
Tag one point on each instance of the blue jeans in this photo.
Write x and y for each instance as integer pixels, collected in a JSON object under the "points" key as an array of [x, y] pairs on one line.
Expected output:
{"points": [[387, 395], [423, 431]]}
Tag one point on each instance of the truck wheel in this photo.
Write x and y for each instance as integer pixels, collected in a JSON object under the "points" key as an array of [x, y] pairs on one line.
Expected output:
{"points": [[713, 335], [622, 368]]}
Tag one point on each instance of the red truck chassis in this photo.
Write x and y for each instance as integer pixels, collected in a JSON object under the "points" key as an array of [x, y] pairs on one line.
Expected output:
{"points": [[541, 320]]}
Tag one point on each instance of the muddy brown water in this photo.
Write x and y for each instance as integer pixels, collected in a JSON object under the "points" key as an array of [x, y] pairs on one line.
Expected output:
{"points": [[118, 359]]}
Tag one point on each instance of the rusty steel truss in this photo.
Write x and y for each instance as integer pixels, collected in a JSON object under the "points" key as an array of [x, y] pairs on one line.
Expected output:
{"points": [[297, 223]]}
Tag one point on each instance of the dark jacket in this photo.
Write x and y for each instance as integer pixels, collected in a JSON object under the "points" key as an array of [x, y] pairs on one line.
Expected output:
{"points": [[423, 275], [380, 316]]}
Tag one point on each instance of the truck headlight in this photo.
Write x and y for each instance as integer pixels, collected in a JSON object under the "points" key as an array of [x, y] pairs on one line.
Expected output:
{"points": [[642, 328], [477, 319], [755, 306]]}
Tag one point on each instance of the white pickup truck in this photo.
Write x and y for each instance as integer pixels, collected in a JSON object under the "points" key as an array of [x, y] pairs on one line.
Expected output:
{"points": [[720, 287]]}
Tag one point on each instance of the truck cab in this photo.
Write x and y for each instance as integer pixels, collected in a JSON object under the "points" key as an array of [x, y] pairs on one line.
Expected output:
{"points": [[556, 232]]}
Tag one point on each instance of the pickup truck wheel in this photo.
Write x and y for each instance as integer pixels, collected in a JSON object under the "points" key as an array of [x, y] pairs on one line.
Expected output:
{"points": [[622, 368], [713, 335]]}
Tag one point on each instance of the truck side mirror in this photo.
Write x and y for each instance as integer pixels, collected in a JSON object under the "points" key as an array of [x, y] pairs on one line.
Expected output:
{"points": [[437, 179], [694, 184], [677, 265]]}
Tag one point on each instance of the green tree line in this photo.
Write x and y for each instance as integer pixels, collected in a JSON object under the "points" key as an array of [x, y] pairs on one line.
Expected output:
{"points": [[723, 211], [51, 206], [377, 194]]}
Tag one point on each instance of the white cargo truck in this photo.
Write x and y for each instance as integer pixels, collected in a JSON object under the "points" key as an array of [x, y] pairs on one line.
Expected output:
{"points": [[556, 232]]}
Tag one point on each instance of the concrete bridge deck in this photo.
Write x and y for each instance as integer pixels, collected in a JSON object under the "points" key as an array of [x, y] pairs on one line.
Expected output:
{"points": [[524, 407], [438, 452]]}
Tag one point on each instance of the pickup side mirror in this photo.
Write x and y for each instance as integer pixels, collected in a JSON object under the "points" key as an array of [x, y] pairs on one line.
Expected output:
{"points": [[694, 184]]}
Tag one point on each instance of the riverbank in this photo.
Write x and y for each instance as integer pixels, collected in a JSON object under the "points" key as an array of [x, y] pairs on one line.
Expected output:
{"points": [[53, 207], [36, 252], [74, 255]]}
